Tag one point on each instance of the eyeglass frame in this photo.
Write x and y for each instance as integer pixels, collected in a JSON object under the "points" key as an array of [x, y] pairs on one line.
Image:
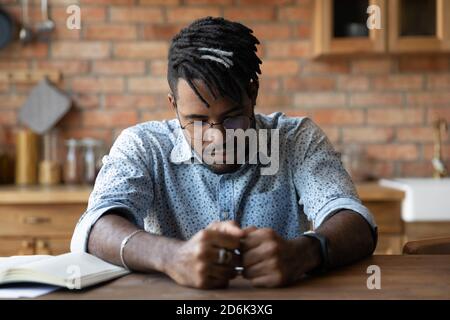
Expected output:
{"points": [[211, 125]]}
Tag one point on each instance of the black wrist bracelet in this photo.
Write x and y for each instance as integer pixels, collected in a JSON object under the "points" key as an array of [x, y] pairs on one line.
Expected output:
{"points": [[323, 267]]}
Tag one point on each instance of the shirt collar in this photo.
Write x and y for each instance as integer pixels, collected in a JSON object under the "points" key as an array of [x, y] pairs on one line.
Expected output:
{"points": [[183, 153]]}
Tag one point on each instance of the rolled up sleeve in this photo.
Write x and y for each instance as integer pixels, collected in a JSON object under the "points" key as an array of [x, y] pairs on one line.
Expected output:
{"points": [[323, 185], [124, 184]]}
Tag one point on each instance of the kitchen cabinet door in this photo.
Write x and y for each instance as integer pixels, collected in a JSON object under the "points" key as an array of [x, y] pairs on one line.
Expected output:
{"points": [[16, 246], [341, 27], [419, 26]]}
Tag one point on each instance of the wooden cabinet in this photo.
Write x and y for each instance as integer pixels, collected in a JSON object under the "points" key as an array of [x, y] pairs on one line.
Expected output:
{"points": [[341, 27], [419, 25], [39, 220], [404, 26]]}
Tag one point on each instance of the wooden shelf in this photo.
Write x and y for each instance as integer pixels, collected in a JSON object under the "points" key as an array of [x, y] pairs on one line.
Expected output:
{"points": [[44, 195]]}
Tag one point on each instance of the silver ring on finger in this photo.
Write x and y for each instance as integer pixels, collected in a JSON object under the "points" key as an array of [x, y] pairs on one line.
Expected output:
{"points": [[225, 256]]}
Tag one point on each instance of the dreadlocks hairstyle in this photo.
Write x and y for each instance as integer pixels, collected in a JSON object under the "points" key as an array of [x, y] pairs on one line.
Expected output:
{"points": [[219, 52]]}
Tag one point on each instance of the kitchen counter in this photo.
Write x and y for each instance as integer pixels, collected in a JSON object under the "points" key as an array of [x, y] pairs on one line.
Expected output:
{"points": [[41, 220], [80, 194], [402, 277]]}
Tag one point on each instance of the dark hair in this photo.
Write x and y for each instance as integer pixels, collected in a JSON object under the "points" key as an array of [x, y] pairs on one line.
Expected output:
{"points": [[219, 52]]}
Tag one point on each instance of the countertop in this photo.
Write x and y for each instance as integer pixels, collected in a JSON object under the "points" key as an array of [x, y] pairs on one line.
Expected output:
{"points": [[62, 194], [402, 277]]}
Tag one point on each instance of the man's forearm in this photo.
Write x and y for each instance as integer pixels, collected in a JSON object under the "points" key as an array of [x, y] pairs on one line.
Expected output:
{"points": [[349, 238], [144, 252]]}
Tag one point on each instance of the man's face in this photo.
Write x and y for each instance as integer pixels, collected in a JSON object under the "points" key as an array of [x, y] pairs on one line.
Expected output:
{"points": [[190, 108]]}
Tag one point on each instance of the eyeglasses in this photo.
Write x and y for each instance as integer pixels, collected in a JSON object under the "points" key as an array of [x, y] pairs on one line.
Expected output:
{"points": [[238, 122]]}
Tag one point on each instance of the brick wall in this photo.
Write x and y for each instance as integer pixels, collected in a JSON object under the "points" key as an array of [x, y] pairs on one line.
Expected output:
{"points": [[114, 69]]}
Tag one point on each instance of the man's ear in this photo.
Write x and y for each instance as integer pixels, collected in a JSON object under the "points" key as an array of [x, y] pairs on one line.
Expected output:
{"points": [[253, 88], [172, 101]]}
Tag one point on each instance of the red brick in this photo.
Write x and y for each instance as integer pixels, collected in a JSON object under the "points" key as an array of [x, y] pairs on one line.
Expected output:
{"points": [[110, 32], [118, 67], [367, 134], [423, 63], [109, 119], [428, 151], [416, 169], [160, 2], [12, 101], [130, 101], [106, 2], [353, 83], [148, 85], [257, 13], [296, 14], [316, 83], [398, 82], [84, 100], [393, 152], [158, 67], [88, 14], [415, 134], [280, 67], [165, 114], [17, 51], [98, 84], [285, 49], [4, 87], [328, 67], [271, 31], [66, 67], [8, 118], [337, 116], [80, 133], [376, 99], [320, 99], [438, 81], [381, 169], [80, 50], [273, 101], [63, 33], [188, 14], [161, 31], [303, 31], [434, 113], [267, 84], [136, 14], [428, 99], [208, 2], [264, 2], [146, 50], [391, 116], [372, 66], [7, 65]]}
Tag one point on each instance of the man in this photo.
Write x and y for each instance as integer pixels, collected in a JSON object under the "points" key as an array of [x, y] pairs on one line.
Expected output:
{"points": [[156, 206]]}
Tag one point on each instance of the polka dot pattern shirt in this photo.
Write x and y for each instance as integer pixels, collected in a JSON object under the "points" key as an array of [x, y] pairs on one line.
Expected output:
{"points": [[145, 176]]}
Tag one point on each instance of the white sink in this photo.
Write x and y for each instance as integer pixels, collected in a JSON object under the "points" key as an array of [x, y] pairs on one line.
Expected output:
{"points": [[426, 199]]}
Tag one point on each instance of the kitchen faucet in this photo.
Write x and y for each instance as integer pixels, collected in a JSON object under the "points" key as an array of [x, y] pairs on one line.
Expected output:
{"points": [[440, 130]]}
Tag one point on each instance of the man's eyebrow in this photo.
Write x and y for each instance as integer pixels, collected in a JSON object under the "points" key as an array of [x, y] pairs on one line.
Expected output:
{"points": [[203, 116]]}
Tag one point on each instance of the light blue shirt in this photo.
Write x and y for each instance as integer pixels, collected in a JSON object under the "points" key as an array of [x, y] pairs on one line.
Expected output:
{"points": [[147, 178]]}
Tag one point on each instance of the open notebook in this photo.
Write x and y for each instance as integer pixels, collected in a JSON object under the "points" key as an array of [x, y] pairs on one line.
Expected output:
{"points": [[70, 270]]}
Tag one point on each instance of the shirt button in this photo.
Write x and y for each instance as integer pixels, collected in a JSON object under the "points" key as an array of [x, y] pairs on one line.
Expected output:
{"points": [[225, 215]]}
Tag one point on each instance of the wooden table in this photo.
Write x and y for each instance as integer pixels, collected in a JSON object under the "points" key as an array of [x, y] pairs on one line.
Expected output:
{"points": [[402, 277]]}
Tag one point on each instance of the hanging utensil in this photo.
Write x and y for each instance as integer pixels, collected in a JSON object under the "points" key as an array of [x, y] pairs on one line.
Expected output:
{"points": [[46, 26], [6, 28], [25, 34]]}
